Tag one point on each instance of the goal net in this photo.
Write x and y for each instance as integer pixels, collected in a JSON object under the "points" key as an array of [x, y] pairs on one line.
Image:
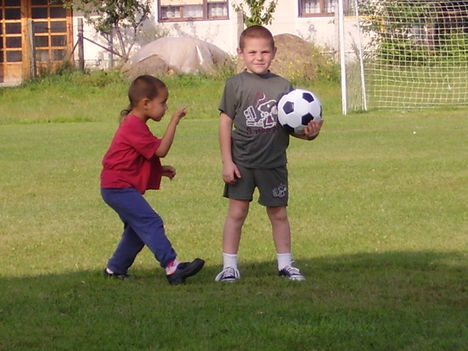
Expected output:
{"points": [[408, 54]]}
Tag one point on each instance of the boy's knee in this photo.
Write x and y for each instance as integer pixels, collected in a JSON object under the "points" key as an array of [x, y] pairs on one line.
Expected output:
{"points": [[238, 211], [238, 215], [153, 221], [277, 213]]}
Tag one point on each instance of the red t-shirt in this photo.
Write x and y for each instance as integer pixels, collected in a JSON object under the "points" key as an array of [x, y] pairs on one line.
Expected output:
{"points": [[131, 160]]}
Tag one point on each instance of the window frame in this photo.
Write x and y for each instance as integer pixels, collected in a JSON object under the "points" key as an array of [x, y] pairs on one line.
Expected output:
{"points": [[205, 16], [322, 13], [53, 52], [10, 52]]}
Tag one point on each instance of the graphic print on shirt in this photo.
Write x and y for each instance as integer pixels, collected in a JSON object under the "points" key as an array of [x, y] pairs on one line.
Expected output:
{"points": [[262, 113]]}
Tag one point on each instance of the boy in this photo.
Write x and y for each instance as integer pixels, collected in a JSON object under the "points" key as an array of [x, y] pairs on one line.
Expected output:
{"points": [[254, 153]]}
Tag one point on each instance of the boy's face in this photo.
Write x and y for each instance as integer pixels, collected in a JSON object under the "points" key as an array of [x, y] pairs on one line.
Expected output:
{"points": [[156, 108], [257, 54]]}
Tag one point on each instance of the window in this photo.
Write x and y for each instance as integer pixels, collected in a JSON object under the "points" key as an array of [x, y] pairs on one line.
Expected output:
{"points": [[187, 10], [51, 40], [11, 38], [319, 7]]}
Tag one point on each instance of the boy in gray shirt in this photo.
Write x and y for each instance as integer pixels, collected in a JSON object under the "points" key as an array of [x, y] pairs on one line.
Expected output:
{"points": [[254, 152]]}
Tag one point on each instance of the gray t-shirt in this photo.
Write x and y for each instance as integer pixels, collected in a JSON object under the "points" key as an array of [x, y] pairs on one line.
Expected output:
{"points": [[258, 141]]}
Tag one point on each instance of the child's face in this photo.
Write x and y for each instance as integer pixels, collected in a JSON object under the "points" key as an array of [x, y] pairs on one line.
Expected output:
{"points": [[257, 54], [156, 108]]}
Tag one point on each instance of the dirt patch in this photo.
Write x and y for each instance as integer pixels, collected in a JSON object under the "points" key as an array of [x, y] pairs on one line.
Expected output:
{"points": [[294, 58]]}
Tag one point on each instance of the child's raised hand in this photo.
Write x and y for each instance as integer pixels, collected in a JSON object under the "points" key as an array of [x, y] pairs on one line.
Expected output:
{"points": [[180, 113], [168, 137], [168, 171]]}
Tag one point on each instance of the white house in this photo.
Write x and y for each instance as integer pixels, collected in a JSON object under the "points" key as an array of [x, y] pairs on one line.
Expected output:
{"points": [[43, 29], [216, 22]]}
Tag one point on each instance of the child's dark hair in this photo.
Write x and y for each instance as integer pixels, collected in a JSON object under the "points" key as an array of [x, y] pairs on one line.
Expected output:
{"points": [[255, 32], [144, 86]]}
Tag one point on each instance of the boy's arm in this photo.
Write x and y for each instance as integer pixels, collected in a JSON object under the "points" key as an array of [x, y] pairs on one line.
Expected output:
{"points": [[168, 137], [230, 170]]}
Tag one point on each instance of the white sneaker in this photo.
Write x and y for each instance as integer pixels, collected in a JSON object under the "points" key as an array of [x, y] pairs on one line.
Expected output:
{"points": [[228, 274], [292, 273]]}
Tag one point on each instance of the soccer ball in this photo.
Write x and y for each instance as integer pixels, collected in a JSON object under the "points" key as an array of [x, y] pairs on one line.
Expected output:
{"points": [[297, 108]]}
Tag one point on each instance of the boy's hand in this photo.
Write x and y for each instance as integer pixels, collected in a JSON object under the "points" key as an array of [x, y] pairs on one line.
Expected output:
{"points": [[312, 130], [180, 113], [168, 171], [230, 173]]}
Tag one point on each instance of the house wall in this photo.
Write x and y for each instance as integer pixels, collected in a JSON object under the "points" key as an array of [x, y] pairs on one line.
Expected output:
{"points": [[322, 31], [94, 55], [319, 30], [222, 33]]}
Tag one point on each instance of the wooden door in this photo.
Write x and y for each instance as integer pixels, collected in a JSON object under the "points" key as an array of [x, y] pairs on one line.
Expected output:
{"points": [[51, 27], [11, 40]]}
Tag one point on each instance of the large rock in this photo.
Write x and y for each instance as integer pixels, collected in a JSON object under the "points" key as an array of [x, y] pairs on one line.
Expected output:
{"points": [[153, 65], [177, 55]]}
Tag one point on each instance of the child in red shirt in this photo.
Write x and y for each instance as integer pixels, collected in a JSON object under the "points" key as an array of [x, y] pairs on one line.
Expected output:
{"points": [[130, 167]]}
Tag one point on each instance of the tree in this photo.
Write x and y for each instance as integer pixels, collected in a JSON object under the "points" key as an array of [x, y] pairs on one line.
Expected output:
{"points": [[258, 11], [122, 18]]}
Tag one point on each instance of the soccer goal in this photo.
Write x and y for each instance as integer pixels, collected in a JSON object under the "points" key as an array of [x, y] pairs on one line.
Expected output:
{"points": [[404, 54]]}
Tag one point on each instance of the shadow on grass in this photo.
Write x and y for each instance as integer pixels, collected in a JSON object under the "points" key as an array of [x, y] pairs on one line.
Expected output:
{"points": [[387, 301]]}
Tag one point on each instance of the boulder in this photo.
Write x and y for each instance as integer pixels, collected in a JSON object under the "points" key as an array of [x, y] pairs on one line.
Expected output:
{"points": [[176, 55], [153, 65]]}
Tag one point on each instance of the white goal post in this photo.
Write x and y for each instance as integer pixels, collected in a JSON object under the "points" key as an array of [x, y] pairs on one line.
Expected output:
{"points": [[403, 54]]}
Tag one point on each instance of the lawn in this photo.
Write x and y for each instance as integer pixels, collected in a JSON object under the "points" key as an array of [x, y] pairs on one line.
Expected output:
{"points": [[378, 211]]}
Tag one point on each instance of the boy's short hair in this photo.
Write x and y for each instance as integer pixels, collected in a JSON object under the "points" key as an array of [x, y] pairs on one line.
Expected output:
{"points": [[255, 32]]}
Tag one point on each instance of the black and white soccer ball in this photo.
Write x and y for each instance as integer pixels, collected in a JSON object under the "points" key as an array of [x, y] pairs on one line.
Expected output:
{"points": [[297, 108]]}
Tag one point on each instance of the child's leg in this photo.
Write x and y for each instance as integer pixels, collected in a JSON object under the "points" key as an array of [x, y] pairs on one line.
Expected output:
{"points": [[135, 211], [280, 228], [281, 235], [282, 238], [237, 213], [127, 249]]}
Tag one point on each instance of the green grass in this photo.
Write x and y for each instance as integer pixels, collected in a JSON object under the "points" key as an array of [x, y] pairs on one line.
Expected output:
{"points": [[100, 97], [378, 211]]}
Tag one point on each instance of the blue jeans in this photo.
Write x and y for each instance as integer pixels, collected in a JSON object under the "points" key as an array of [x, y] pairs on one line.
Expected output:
{"points": [[142, 226]]}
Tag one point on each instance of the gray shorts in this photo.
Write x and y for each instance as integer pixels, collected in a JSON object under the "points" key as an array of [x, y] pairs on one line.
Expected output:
{"points": [[272, 184]]}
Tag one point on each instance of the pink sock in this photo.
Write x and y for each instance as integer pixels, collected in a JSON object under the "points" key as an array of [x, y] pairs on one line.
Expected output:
{"points": [[171, 267]]}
